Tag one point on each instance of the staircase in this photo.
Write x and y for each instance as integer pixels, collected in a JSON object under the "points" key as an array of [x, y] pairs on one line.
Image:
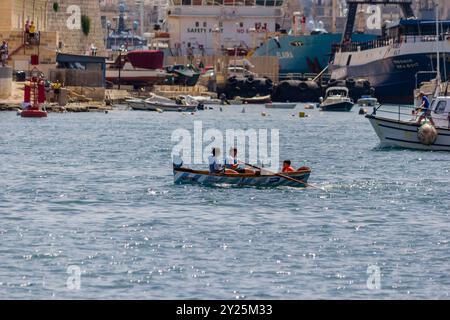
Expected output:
{"points": [[16, 51], [29, 49]]}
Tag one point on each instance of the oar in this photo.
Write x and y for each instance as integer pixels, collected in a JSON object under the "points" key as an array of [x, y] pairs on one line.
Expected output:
{"points": [[284, 176]]}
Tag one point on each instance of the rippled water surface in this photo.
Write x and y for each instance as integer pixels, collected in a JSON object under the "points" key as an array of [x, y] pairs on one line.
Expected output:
{"points": [[96, 191]]}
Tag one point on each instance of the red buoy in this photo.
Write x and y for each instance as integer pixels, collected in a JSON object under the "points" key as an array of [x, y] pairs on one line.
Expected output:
{"points": [[33, 113], [34, 96]]}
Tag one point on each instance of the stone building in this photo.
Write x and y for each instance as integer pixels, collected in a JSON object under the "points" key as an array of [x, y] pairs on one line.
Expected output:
{"points": [[59, 26]]}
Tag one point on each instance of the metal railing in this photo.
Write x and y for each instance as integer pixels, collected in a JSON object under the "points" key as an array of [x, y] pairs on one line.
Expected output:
{"points": [[384, 42], [410, 114]]}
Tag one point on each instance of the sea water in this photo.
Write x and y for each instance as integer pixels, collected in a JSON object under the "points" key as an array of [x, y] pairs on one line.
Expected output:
{"points": [[88, 209]]}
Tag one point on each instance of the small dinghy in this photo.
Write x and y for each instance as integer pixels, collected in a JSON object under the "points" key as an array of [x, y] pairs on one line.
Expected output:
{"points": [[257, 100], [281, 105]]}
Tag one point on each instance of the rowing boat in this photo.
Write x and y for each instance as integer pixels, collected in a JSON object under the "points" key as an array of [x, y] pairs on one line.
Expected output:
{"points": [[298, 179]]}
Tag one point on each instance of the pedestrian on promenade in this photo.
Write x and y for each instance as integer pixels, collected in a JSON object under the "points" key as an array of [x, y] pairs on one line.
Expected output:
{"points": [[4, 53]]}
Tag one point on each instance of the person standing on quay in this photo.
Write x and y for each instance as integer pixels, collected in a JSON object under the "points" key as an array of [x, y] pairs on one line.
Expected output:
{"points": [[4, 52], [27, 32], [32, 31]]}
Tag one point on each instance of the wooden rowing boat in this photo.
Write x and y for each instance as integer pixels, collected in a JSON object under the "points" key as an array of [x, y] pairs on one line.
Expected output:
{"points": [[185, 175]]}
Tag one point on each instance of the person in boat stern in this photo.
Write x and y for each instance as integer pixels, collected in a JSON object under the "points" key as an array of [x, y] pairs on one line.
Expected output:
{"points": [[287, 166], [425, 107], [214, 163]]}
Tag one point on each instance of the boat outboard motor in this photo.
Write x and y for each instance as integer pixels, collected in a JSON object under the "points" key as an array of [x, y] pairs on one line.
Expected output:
{"points": [[177, 162]]}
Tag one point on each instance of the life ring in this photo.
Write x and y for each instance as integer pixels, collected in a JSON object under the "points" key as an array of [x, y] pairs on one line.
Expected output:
{"points": [[427, 133]]}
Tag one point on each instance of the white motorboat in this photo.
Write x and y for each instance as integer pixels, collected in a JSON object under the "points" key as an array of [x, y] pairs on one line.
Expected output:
{"points": [[165, 107], [135, 104], [336, 99], [367, 101], [425, 131], [396, 130]]}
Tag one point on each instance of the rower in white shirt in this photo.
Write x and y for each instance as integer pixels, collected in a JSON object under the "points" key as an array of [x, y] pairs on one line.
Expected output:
{"points": [[215, 165], [232, 163]]}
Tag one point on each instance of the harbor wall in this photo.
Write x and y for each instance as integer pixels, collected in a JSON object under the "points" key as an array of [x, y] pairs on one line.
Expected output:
{"points": [[67, 20], [5, 82]]}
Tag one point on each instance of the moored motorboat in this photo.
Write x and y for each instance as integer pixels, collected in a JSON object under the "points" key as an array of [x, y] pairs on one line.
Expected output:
{"points": [[367, 101], [297, 179], [396, 130], [281, 105], [163, 104], [337, 99], [136, 104], [168, 107]]}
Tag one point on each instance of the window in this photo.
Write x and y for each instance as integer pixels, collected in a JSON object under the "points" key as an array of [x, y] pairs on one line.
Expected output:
{"points": [[440, 108], [197, 24], [204, 24]]}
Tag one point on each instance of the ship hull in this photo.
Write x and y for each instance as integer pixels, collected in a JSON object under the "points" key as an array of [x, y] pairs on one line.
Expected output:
{"points": [[304, 54], [394, 78]]}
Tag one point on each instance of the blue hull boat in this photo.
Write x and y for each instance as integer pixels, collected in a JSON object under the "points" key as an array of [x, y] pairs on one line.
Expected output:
{"points": [[298, 179]]}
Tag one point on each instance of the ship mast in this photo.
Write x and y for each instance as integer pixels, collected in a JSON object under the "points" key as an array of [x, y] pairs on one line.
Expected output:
{"points": [[334, 8], [438, 65], [142, 16]]}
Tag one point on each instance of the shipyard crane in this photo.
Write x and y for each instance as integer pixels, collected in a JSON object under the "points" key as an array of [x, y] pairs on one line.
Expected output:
{"points": [[405, 5]]}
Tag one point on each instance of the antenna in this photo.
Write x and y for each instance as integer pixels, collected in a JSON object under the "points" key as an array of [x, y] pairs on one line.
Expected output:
{"points": [[438, 65], [437, 43]]}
